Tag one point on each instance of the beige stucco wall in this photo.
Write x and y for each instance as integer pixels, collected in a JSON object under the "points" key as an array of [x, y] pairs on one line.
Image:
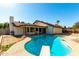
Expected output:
{"points": [[57, 30], [18, 31], [49, 30]]}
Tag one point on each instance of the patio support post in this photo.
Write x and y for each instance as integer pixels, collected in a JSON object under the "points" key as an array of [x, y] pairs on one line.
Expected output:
{"points": [[38, 30], [29, 30]]}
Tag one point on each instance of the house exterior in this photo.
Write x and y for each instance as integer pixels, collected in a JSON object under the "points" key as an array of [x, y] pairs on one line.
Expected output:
{"points": [[38, 27], [25, 29], [21, 28], [51, 29]]}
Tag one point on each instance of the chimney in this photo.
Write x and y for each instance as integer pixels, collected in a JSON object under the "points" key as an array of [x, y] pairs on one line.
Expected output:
{"points": [[11, 19]]}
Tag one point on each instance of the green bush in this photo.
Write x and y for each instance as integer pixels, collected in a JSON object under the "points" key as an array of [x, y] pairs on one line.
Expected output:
{"points": [[5, 48], [4, 25]]}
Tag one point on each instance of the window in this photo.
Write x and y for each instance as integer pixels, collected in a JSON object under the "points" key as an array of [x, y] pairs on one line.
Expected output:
{"points": [[32, 29], [39, 29], [36, 29]]}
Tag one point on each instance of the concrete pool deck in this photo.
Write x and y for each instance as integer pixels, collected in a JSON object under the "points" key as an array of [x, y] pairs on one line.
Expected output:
{"points": [[72, 44], [18, 48]]}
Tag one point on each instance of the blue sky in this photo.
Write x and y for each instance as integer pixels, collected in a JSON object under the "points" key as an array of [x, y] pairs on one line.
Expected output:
{"points": [[68, 14]]}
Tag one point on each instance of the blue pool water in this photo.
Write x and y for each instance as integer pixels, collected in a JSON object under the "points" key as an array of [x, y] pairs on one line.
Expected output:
{"points": [[57, 48]]}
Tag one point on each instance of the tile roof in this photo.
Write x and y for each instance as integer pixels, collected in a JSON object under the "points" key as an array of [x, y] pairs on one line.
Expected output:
{"points": [[58, 26], [18, 24]]}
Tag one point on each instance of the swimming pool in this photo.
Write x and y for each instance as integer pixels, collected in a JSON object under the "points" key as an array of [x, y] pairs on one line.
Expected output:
{"points": [[57, 48]]}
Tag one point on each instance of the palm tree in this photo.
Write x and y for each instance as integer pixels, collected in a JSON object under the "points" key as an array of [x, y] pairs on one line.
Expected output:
{"points": [[57, 22]]}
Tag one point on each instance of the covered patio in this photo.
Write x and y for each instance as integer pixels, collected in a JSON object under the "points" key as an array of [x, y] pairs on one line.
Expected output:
{"points": [[33, 29]]}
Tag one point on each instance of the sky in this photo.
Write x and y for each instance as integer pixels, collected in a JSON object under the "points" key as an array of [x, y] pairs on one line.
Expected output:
{"points": [[67, 13]]}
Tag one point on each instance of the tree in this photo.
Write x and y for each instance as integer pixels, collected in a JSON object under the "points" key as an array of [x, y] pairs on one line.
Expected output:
{"points": [[64, 27], [1, 25], [76, 25], [4, 25]]}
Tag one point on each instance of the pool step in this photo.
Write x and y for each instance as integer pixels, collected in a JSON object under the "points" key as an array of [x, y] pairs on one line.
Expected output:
{"points": [[45, 51]]}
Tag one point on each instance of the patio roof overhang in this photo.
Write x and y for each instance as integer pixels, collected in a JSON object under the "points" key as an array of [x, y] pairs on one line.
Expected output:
{"points": [[28, 25]]}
